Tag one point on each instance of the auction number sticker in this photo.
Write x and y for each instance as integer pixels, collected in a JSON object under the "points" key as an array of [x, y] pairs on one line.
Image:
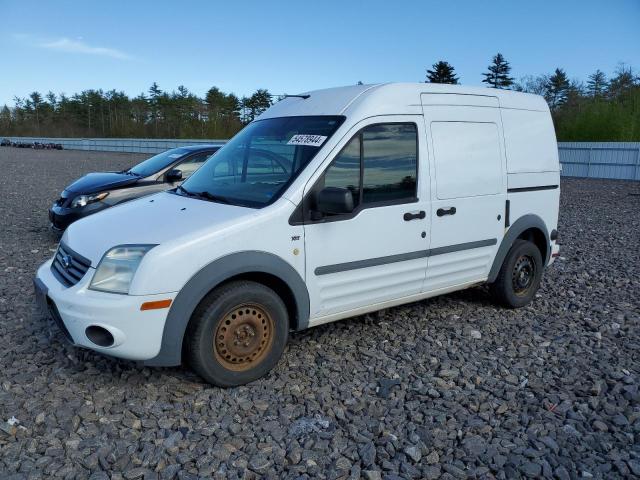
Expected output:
{"points": [[307, 140]]}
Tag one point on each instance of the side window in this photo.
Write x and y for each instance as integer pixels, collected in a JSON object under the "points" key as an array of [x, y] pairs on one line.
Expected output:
{"points": [[390, 153], [379, 165], [191, 164], [344, 171]]}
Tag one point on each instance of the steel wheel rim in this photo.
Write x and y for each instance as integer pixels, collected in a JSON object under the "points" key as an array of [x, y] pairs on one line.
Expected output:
{"points": [[523, 275], [244, 337]]}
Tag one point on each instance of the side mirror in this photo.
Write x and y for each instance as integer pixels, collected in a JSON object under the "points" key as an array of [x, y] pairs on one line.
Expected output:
{"points": [[174, 175], [334, 200]]}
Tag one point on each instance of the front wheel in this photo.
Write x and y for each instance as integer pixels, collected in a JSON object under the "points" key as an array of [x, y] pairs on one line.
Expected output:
{"points": [[237, 334], [520, 275]]}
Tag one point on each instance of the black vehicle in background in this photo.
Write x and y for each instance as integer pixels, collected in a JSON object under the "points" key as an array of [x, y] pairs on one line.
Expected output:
{"points": [[96, 191]]}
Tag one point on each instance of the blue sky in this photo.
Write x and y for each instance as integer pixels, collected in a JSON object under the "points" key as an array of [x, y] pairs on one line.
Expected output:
{"points": [[292, 46]]}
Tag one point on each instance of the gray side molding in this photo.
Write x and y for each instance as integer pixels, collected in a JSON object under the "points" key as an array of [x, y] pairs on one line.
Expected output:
{"points": [[523, 223], [211, 276]]}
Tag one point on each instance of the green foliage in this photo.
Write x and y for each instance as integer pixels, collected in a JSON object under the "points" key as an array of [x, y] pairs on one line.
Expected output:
{"points": [[160, 114], [498, 73], [557, 89], [600, 112], [442, 72], [597, 84]]}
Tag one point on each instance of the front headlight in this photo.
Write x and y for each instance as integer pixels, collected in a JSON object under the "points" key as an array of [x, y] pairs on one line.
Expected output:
{"points": [[83, 200], [117, 268]]}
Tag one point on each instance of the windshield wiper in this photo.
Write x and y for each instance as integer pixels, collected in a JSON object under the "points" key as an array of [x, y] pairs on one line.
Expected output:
{"points": [[212, 197], [181, 188], [205, 195]]}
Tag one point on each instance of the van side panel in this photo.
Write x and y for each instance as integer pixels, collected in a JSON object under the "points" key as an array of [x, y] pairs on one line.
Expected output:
{"points": [[533, 177], [530, 141]]}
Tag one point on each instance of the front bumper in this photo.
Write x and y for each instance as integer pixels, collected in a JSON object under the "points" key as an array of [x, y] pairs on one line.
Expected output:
{"points": [[62, 217], [137, 335]]}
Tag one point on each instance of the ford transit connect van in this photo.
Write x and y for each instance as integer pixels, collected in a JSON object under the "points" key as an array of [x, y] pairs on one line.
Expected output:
{"points": [[330, 204]]}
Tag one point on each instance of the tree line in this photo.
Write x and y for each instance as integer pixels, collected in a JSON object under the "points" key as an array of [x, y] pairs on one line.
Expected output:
{"points": [[155, 114], [600, 109]]}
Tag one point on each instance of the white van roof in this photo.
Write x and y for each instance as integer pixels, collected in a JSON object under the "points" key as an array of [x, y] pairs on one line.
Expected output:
{"points": [[390, 98]]}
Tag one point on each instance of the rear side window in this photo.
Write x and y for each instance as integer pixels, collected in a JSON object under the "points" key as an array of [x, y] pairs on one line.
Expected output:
{"points": [[379, 165]]}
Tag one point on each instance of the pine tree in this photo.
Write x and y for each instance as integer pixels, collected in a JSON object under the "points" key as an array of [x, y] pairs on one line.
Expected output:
{"points": [[558, 88], [443, 72], [498, 74], [597, 84], [154, 102], [622, 82]]}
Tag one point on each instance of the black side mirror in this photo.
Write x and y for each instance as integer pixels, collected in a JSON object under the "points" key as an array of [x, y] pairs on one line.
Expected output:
{"points": [[334, 200], [174, 175]]}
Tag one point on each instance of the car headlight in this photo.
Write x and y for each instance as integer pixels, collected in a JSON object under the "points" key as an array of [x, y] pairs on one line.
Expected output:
{"points": [[117, 268], [82, 200]]}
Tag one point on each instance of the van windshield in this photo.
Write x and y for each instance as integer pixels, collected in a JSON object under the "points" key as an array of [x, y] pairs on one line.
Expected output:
{"points": [[260, 162]]}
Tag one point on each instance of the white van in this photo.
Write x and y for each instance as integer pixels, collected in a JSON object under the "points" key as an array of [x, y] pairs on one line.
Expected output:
{"points": [[330, 204]]}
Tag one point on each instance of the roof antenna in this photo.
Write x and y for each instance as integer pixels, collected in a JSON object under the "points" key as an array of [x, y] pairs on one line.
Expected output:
{"points": [[299, 96]]}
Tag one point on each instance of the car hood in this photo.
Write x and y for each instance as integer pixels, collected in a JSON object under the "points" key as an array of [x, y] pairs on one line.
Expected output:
{"points": [[97, 182], [156, 219]]}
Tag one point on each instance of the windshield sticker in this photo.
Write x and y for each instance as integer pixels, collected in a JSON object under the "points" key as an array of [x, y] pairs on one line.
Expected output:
{"points": [[176, 155], [307, 140]]}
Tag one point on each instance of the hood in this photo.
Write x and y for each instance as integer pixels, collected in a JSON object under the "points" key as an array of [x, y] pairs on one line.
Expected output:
{"points": [[156, 219], [97, 182]]}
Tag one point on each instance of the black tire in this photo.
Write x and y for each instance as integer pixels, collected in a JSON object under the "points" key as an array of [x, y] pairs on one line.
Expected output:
{"points": [[250, 326], [520, 275]]}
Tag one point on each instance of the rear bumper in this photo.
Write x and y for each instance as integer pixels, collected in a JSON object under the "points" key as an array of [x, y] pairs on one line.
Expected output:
{"points": [[137, 335], [555, 253]]}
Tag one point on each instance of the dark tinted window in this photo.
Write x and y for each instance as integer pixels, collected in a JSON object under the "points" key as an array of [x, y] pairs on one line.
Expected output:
{"points": [[158, 162], [344, 171], [390, 154], [193, 163]]}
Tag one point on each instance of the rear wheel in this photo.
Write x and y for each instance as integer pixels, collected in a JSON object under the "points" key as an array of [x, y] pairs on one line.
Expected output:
{"points": [[520, 275], [237, 334]]}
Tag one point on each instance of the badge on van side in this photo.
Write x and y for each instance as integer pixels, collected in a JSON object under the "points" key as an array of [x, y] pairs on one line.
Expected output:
{"points": [[307, 140]]}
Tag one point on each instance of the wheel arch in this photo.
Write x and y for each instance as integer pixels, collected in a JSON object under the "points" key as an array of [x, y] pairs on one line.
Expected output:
{"points": [[261, 267], [528, 227]]}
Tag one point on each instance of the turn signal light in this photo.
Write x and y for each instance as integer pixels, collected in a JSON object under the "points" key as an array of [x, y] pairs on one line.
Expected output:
{"points": [[156, 305]]}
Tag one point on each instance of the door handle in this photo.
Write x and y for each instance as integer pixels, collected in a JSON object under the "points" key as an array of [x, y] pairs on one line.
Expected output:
{"points": [[441, 212], [415, 216]]}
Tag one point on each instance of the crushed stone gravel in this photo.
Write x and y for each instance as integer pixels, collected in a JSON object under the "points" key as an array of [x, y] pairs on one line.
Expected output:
{"points": [[549, 390]]}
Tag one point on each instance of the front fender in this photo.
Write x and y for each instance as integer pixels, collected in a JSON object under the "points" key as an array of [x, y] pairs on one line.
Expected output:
{"points": [[210, 277]]}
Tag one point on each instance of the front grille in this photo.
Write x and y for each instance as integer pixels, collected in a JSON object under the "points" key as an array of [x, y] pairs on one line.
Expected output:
{"points": [[69, 266]]}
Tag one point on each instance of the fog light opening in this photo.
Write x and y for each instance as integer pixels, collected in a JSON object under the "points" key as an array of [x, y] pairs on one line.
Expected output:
{"points": [[100, 336]]}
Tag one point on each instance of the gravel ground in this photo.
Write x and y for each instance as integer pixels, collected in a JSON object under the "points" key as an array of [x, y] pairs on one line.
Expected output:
{"points": [[451, 387]]}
